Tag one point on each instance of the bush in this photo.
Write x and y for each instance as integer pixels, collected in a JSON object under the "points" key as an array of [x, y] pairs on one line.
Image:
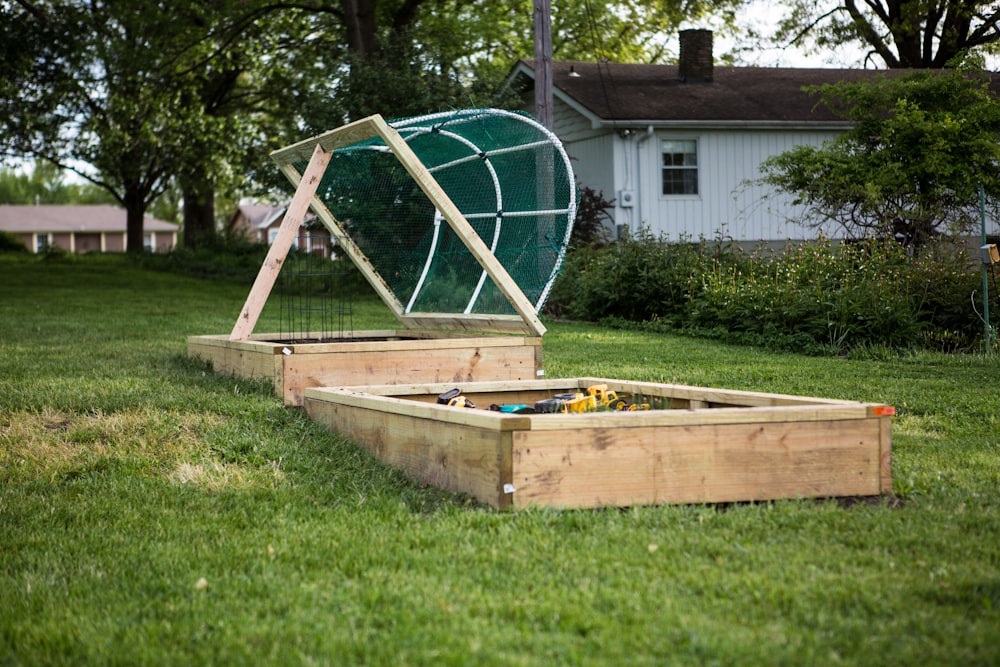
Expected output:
{"points": [[634, 279], [590, 226], [232, 257], [817, 297], [10, 243]]}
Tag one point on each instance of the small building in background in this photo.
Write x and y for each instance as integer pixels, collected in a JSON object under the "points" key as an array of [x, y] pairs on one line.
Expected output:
{"points": [[81, 229], [259, 223]]}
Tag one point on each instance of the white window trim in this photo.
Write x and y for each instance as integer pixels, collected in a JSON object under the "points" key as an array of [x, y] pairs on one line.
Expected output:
{"points": [[697, 168]]}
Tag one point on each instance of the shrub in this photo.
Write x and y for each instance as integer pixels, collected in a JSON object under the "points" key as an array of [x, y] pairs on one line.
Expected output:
{"points": [[635, 279], [10, 243], [590, 226], [815, 297]]}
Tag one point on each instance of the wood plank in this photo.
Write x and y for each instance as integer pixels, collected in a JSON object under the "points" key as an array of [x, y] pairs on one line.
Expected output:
{"points": [[483, 419], [737, 415], [453, 456], [456, 364], [222, 341], [276, 255], [329, 141], [405, 344], [723, 463], [473, 388], [467, 322], [710, 394], [460, 226]]}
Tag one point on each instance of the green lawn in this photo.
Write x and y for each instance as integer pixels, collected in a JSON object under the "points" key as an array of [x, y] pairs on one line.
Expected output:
{"points": [[152, 512]]}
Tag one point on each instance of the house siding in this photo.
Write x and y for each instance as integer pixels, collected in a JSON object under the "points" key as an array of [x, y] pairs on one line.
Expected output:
{"points": [[114, 242], [728, 202], [63, 241], [88, 242], [591, 166]]}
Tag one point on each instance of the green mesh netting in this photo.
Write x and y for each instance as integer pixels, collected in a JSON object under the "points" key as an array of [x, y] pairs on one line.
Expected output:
{"points": [[507, 174]]}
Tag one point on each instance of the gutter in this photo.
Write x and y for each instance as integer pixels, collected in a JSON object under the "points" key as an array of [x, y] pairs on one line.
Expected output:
{"points": [[598, 124]]}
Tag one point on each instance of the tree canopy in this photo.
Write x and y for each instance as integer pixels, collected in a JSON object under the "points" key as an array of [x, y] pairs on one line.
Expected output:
{"points": [[921, 145], [142, 97], [46, 184], [894, 33]]}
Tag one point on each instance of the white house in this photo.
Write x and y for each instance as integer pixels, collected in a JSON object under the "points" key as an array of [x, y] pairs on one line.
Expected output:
{"points": [[678, 146]]}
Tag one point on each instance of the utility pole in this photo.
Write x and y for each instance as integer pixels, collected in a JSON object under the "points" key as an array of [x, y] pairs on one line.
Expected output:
{"points": [[543, 62]]}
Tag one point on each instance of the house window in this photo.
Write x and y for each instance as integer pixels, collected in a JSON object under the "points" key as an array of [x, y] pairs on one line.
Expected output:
{"points": [[680, 167], [41, 242], [147, 242]]}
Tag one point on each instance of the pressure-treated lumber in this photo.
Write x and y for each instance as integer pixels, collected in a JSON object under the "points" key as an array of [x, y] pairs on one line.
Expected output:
{"points": [[370, 357], [713, 445], [526, 321], [276, 255], [460, 226]]}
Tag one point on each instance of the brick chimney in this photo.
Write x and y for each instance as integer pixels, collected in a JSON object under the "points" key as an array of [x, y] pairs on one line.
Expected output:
{"points": [[696, 60]]}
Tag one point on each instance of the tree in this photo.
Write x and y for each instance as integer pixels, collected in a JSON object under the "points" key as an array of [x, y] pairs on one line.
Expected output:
{"points": [[409, 57], [46, 184], [900, 33], [136, 97], [910, 168], [83, 90]]}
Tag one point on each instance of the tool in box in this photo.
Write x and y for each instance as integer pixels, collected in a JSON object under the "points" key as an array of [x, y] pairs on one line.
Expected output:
{"points": [[453, 398]]}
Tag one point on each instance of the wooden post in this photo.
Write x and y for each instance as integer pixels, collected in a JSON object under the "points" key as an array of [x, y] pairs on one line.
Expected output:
{"points": [[543, 63], [282, 244]]}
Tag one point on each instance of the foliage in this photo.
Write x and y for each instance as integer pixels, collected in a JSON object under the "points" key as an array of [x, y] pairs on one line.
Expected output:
{"points": [[145, 98], [10, 243], [46, 184], [85, 89], [634, 279], [900, 33], [814, 297], [133, 96], [496, 35], [593, 225], [157, 513], [911, 165], [225, 257]]}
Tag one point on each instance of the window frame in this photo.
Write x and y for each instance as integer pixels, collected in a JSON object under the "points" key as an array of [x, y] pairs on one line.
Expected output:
{"points": [[680, 168]]}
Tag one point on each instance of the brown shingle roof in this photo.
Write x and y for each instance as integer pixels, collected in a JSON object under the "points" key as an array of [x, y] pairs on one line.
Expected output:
{"points": [[620, 92], [95, 218]]}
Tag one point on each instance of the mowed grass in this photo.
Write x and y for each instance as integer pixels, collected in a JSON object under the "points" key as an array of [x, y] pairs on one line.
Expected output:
{"points": [[152, 512]]}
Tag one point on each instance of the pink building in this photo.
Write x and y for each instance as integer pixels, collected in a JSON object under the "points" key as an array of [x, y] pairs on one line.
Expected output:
{"points": [[80, 229]]}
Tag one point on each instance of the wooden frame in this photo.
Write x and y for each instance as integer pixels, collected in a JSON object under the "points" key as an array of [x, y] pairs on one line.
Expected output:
{"points": [[706, 445], [435, 346], [376, 357], [316, 151]]}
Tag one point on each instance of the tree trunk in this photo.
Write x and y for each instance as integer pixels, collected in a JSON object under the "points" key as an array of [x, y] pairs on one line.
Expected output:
{"points": [[359, 21], [199, 213], [135, 213]]}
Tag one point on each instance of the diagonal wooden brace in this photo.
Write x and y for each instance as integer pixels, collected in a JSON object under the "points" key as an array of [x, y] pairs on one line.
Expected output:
{"points": [[287, 232]]}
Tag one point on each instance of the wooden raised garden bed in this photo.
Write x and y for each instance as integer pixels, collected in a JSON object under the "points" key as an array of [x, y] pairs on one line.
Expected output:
{"points": [[371, 357], [694, 444]]}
